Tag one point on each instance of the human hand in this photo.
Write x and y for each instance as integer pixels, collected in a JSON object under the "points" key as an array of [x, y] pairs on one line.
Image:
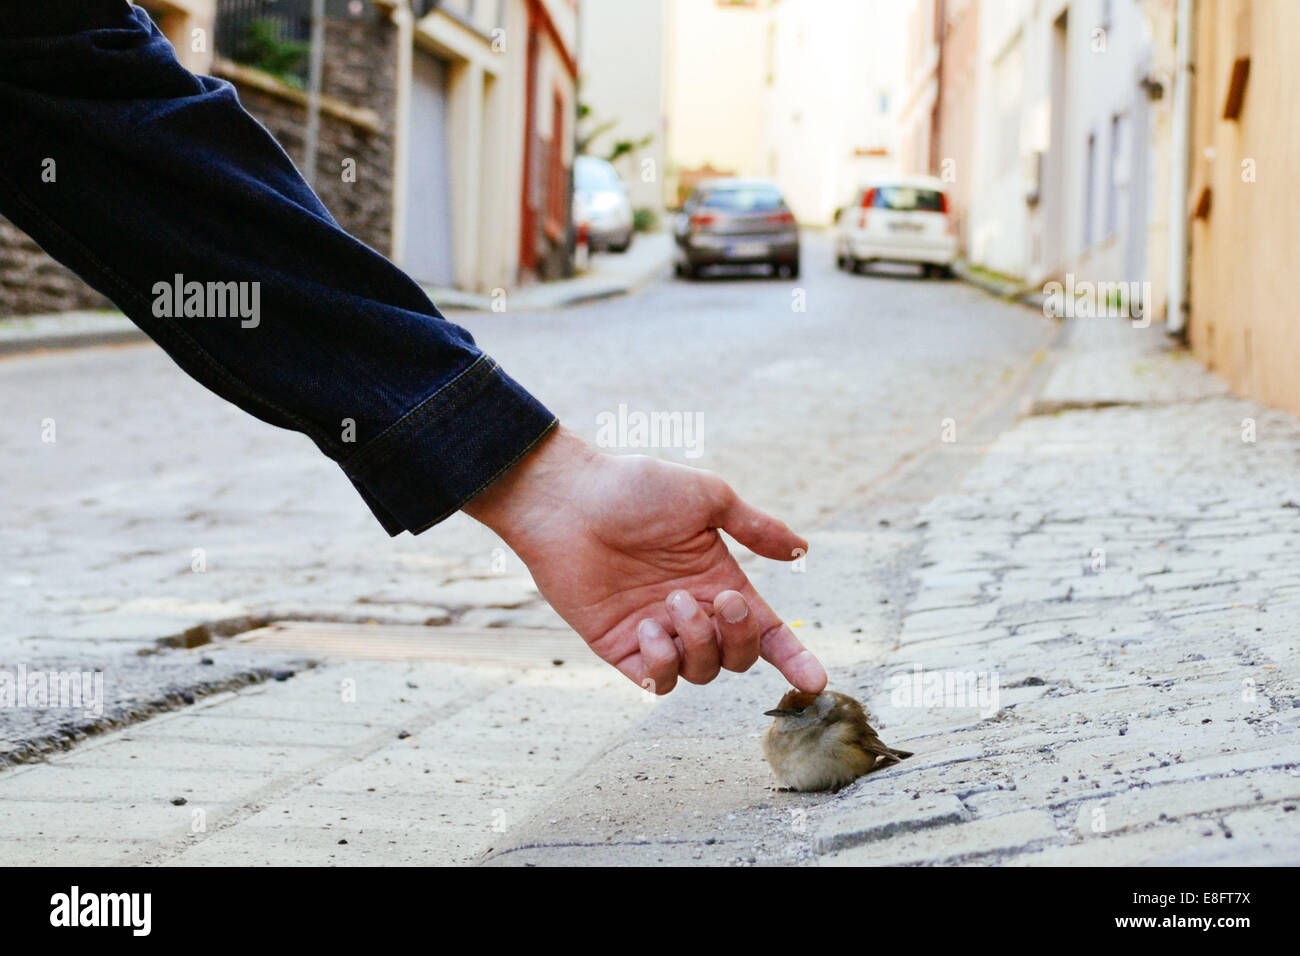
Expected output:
{"points": [[627, 551]]}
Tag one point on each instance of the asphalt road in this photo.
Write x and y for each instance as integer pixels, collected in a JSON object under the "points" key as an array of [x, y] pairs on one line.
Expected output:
{"points": [[810, 396], [809, 390], [805, 393]]}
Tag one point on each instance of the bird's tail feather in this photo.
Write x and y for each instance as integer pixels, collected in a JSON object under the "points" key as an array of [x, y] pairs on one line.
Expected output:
{"points": [[888, 755]]}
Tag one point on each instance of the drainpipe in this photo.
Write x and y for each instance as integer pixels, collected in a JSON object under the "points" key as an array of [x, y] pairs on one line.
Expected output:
{"points": [[1180, 141], [315, 65], [403, 18]]}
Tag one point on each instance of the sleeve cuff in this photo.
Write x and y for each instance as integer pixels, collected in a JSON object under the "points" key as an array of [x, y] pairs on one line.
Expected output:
{"points": [[447, 449]]}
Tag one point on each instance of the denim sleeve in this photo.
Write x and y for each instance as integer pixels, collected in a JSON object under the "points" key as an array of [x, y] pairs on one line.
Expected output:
{"points": [[164, 194]]}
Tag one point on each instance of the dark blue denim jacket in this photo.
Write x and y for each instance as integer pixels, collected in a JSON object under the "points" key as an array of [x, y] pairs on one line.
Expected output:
{"points": [[132, 171]]}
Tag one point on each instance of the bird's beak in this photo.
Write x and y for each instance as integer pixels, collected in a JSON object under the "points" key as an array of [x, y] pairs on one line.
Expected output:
{"points": [[778, 713]]}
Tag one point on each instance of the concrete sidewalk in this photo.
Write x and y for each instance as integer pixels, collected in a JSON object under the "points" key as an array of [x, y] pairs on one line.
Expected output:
{"points": [[609, 275], [1118, 572], [66, 330], [1122, 581], [356, 761]]}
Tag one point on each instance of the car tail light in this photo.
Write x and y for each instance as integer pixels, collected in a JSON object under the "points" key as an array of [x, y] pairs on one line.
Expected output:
{"points": [[702, 219], [868, 200], [949, 226], [781, 217]]}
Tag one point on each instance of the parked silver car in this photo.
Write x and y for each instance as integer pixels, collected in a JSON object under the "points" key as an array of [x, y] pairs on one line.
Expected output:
{"points": [[736, 222], [600, 202]]}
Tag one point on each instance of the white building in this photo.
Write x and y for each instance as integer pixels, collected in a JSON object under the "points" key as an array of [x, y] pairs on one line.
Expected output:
{"points": [[803, 92], [714, 67], [621, 56], [832, 74], [1063, 140]]}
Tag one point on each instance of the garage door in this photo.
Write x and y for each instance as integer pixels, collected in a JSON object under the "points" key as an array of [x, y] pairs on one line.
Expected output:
{"points": [[428, 212]]}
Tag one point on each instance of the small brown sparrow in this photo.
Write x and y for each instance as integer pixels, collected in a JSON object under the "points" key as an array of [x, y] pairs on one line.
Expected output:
{"points": [[823, 741]]}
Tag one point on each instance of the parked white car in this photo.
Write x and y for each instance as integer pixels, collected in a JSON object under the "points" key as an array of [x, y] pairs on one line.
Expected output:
{"points": [[600, 203], [897, 220]]}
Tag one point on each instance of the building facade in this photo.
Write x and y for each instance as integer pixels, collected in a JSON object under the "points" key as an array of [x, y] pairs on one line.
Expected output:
{"points": [[715, 68], [445, 135], [803, 92], [829, 100], [622, 51], [1057, 108], [956, 115], [918, 116], [1245, 154]]}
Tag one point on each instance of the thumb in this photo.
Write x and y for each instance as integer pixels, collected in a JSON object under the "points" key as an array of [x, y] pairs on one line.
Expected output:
{"points": [[757, 530]]}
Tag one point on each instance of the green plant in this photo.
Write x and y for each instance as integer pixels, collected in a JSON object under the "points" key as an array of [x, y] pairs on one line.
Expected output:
{"points": [[644, 220], [264, 50], [622, 147], [625, 146]]}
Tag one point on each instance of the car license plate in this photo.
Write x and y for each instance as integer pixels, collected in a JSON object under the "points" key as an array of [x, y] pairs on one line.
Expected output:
{"points": [[906, 226], [746, 250]]}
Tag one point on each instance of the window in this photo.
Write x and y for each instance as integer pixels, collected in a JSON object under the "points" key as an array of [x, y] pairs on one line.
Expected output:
{"points": [[1008, 84], [769, 55], [907, 199], [744, 199], [1115, 173], [1088, 189]]}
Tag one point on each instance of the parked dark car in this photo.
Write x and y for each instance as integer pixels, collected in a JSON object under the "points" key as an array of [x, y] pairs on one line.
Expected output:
{"points": [[739, 222]]}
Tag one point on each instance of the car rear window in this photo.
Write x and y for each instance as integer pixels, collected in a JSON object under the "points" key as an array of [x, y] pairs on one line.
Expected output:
{"points": [[743, 199], [908, 199]]}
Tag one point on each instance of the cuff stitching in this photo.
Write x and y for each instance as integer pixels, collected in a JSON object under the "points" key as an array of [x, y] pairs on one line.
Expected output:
{"points": [[442, 402], [550, 426]]}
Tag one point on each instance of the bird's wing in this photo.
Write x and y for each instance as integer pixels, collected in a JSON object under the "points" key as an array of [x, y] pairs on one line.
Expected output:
{"points": [[869, 741], [865, 736]]}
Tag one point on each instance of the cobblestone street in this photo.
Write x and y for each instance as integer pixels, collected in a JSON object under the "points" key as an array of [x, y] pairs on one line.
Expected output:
{"points": [[1089, 543], [1130, 575]]}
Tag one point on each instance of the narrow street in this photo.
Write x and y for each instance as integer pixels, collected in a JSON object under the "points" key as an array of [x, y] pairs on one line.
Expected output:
{"points": [[210, 523], [348, 698], [973, 319], [802, 411]]}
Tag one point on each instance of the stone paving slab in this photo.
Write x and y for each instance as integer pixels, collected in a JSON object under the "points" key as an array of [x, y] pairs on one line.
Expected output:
{"points": [[426, 763], [1126, 572], [1128, 575], [1114, 362], [1171, 661]]}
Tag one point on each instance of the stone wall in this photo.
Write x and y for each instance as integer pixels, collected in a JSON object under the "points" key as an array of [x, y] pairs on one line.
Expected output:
{"points": [[359, 72], [359, 81], [31, 282]]}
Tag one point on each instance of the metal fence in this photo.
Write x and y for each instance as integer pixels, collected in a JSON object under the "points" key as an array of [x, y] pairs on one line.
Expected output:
{"points": [[271, 34]]}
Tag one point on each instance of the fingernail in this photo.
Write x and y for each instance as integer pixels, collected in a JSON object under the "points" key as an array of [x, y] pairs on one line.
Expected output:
{"points": [[646, 630], [681, 604], [735, 609], [812, 675]]}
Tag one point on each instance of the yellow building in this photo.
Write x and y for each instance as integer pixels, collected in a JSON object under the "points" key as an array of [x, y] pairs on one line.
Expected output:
{"points": [[1244, 319]]}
